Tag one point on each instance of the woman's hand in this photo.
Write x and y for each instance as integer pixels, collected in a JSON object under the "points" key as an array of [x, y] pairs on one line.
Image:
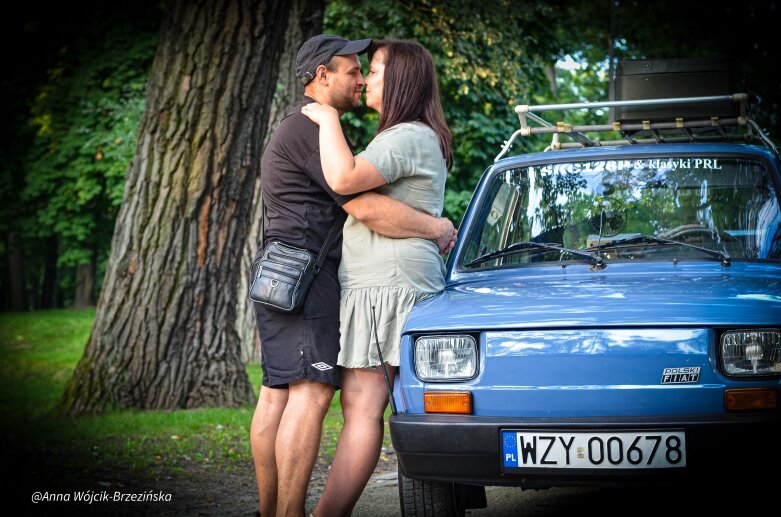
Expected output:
{"points": [[319, 113]]}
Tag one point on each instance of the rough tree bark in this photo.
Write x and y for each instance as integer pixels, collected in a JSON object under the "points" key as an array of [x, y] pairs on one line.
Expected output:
{"points": [[165, 332]]}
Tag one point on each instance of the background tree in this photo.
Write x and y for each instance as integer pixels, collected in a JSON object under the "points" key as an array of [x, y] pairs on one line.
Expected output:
{"points": [[164, 334], [86, 116], [489, 55], [494, 55], [76, 91], [17, 81]]}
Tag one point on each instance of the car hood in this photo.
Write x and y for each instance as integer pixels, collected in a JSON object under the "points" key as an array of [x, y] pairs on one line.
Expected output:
{"points": [[624, 294]]}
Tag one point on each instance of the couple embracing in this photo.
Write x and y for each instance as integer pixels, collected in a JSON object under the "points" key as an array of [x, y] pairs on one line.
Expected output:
{"points": [[390, 258]]}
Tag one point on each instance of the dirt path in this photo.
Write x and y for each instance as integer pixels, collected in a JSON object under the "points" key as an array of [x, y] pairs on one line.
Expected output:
{"points": [[70, 486], [67, 486], [200, 491]]}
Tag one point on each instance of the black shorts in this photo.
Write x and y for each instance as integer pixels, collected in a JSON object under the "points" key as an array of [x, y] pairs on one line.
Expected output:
{"points": [[302, 346]]}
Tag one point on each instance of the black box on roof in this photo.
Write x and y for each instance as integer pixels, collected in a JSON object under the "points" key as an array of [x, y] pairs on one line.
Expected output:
{"points": [[668, 78]]}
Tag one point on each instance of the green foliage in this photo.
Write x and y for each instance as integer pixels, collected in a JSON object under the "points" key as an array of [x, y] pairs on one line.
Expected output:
{"points": [[85, 116], [494, 55], [490, 56]]}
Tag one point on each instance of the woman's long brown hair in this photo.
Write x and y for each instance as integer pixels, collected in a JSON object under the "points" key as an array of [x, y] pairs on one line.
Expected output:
{"points": [[410, 90]]}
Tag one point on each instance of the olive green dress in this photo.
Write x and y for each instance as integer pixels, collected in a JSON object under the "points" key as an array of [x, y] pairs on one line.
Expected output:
{"points": [[391, 275]]}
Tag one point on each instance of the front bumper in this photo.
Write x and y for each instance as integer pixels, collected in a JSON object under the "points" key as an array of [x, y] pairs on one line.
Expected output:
{"points": [[467, 449]]}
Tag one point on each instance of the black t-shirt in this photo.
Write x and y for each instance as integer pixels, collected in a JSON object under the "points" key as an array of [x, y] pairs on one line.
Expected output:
{"points": [[298, 205]]}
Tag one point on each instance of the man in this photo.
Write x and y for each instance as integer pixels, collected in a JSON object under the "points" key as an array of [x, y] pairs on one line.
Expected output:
{"points": [[299, 352]]}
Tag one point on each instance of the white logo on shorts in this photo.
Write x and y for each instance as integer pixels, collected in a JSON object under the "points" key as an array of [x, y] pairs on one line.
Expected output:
{"points": [[322, 366]]}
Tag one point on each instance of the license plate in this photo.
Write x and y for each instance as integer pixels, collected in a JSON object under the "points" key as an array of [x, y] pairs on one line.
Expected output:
{"points": [[587, 450]]}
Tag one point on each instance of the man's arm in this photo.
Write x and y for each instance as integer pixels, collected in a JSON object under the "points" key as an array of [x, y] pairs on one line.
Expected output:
{"points": [[394, 219]]}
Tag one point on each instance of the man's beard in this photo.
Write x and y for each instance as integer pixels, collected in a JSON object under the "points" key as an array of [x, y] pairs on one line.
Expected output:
{"points": [[345, 101]]}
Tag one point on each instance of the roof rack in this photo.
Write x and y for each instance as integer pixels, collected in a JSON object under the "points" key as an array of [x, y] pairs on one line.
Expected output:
{"points": [[669, 128]]}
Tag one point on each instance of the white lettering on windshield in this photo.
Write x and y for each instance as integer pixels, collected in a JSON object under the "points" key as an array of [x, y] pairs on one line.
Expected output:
{"points": [[671, 164]]}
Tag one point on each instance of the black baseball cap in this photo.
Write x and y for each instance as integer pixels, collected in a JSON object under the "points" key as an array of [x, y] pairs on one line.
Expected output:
{"points": [[319, 50]]}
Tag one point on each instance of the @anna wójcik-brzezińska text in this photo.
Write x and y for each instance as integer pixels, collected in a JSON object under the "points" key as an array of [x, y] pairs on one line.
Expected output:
{"points": [[102, 496]]}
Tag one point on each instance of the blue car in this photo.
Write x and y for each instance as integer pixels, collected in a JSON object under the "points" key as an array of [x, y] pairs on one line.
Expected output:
{"points": [[611, 316]]}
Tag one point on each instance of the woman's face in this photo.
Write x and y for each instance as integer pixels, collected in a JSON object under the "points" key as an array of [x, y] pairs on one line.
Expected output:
{"points": [[374, 81]]}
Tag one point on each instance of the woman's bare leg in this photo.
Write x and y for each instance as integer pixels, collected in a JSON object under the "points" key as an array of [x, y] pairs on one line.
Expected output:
{"points": [[364, 398]]}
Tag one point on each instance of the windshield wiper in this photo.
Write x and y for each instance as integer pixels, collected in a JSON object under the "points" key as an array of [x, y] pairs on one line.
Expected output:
{"points": [[724, 259], [529, 246]]}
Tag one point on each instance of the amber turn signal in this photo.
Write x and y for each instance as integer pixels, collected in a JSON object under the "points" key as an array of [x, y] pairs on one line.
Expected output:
{"points": [[458, 402], [751, 398]]}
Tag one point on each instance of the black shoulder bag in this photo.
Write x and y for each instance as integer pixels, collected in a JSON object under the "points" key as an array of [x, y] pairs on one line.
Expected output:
{"points": [[284, 273]]}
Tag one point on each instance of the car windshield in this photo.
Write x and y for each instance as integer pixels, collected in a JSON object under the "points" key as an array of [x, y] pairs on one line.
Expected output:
{"points": [[630, 209]]}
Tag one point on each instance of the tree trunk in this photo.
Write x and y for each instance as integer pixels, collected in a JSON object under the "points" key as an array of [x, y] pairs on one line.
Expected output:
{"points": [[18, 301], [85, 283], [165, 334], [49, 284], [611, 52], [550, 73]]}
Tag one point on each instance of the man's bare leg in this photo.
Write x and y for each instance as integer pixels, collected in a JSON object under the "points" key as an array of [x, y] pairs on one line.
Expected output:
{"points": [[263, 437], [364, 398], [298, 441]]}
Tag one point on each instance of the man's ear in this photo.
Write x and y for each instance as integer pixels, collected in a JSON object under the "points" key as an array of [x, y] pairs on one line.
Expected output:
{"points": [[321, 75]]}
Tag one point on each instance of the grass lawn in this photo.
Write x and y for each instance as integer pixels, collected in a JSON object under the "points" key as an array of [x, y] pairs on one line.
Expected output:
{"points": [[38, 353]]}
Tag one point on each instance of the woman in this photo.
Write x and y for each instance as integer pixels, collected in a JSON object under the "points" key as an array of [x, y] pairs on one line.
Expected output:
{"points": [[382, 278]]}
